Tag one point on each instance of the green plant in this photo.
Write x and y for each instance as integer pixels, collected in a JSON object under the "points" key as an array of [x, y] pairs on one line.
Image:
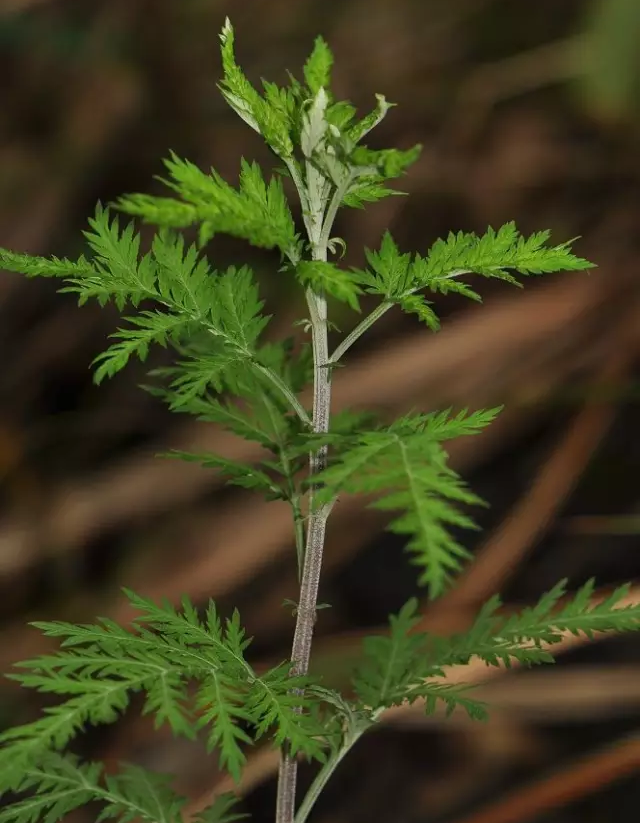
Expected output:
{"points": [[224, 374]]}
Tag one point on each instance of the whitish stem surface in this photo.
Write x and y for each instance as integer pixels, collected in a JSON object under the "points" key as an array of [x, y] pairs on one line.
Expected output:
{"points": [[306, 611], [318, 231]]}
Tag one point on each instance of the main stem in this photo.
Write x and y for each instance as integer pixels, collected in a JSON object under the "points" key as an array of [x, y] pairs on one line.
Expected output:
{"points": [[306, 612]]}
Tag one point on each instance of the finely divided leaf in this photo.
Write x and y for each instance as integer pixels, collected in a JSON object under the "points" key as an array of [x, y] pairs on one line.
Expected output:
{"points": [[386, 163], [62, 784], [149, 327], [389, 664], [225, 306], [521, 637], [367, 190], [257, 212], [33, 266], [268, 120], [317, 69], [405, 467], [397, 669], [399, 277], [327, 277], [238, 474], [221, 811]]}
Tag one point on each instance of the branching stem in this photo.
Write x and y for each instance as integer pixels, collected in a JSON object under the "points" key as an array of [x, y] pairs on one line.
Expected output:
{"points": [[362, 327], [285, 391]]}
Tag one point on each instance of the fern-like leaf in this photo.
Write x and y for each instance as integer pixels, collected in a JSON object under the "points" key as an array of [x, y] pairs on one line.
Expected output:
{"points": [[399, 276], [62, 784], [256, 211], [521, 637], [405, 466]]}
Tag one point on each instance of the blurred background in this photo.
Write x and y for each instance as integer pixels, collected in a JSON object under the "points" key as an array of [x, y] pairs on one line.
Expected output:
{"points": [[527, 111]]}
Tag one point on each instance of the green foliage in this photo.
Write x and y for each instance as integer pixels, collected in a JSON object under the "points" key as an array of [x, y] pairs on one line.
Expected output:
{"points": [[269, 120], [238, 474], [500, 640], [368, 190], [405, 466], [193, 298], [329, 278], [318, 67], [32, 266], [408, 664], [63, 784], [257, 212], [398, 277], [192, 668], [101, 665]]}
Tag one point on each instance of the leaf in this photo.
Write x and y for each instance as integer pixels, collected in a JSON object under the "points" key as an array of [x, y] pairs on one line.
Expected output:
{"points": [[327, 277], [501, 640], [415, 304], [491, 254], [33, 266], [158, 211], [391, 270], [264, 118], [279, 701], [454, 696], [221, 709], [388, 669], [404, 466], [256, 211], [237, 474], [387, 163], [221, 811], [367, 190], [399, 277], [151, 327], [317, 70], [63, 784], [248, 423], [314, 125], [236, 89], [360, 129]]}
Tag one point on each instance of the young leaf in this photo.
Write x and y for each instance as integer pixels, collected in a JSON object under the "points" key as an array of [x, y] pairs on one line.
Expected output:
{"points": [[256, 211], [322, 276], [364, 126], [367, 190], [33, 266], [387, 163], [317, 70], [247, 103]]}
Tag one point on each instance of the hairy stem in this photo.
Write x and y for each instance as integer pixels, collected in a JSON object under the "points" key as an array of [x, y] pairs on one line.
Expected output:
{"points": [[286, 392], [376, 314], [306, 612], [362, 327], [351, 736], [320, 781], [318, 231]]}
